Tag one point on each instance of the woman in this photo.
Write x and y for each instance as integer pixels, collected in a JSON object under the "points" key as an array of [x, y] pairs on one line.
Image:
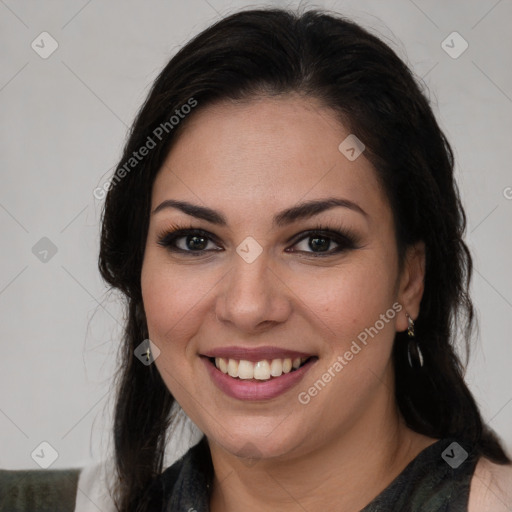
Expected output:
{"points": [[285, 226]]}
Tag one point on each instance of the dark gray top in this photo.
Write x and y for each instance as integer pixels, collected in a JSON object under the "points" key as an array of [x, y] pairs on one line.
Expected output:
{"points": [[436, 480]]}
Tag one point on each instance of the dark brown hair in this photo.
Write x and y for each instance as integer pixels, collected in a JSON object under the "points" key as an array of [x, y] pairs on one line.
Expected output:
{"points": [[329, 58]]}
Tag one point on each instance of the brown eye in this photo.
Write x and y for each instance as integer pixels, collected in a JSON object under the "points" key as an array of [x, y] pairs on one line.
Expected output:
{"points": [[321, 243], [195, 242], [188, 241]]}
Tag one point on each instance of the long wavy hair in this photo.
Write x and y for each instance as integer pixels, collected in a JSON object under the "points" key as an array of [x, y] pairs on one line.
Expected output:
{"points": [[376, 96]]}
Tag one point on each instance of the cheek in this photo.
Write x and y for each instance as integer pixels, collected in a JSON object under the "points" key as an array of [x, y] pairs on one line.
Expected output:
{"points": [[175, 300], [173, 307], [348, 300], [354, 312]]}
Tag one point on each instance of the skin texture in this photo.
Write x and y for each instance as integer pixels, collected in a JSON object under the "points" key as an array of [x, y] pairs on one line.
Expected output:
{"points": [[491, 488], [249, 161]]}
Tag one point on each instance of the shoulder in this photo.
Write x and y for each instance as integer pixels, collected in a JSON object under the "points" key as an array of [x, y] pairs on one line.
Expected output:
{"points": [[491, 487], [95, 484]]}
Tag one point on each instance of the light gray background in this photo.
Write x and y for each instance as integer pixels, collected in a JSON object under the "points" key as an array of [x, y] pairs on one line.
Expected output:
{"points": [[63, 123]]}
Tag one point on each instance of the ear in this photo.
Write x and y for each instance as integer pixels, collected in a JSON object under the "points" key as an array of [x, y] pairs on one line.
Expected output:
{"points": [[411, 284]]}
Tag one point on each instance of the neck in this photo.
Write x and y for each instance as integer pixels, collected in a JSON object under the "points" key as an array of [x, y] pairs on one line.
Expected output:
{"points": [[349, 470]]}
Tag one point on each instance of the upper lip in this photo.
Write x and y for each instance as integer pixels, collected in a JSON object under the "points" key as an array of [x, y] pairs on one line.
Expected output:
{"points": [[254, 354]]}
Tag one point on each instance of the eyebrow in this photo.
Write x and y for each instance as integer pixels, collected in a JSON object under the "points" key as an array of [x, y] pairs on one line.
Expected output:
{"points": [[303, 210]]}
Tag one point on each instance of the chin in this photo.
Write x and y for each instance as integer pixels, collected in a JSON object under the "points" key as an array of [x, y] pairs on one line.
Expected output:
{"points": [[257, 444]]}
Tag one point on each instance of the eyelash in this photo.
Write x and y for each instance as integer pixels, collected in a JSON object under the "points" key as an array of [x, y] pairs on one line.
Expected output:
{"points": [[345, 239]]}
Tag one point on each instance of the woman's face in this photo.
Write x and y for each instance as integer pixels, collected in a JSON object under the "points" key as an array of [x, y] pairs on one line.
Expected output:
{"points": [[258, 288]]}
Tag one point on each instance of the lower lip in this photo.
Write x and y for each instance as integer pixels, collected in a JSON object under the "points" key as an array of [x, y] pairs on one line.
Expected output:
{"points": [[254, 390]]}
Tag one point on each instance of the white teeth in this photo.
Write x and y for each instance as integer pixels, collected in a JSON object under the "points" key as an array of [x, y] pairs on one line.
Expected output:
{"points": [[233, 368], [222, 364], [276, 367], [262, 370], [245, 370]]}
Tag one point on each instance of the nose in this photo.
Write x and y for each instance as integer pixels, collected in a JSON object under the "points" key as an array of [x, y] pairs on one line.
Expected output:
{"points": [[252, 297]]}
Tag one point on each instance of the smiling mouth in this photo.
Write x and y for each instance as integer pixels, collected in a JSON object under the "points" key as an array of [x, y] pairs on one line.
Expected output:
{"points": [[264, 370]]}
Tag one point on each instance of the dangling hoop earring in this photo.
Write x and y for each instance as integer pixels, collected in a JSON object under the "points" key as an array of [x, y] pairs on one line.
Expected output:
{"points": [[414, 355]]}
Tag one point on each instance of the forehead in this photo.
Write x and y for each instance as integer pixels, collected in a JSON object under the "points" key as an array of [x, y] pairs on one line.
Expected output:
{"points": [[266, 153]]}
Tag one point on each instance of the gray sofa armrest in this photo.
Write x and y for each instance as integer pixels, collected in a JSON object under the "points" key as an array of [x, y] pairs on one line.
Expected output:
{"points": [[37, 490]]}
